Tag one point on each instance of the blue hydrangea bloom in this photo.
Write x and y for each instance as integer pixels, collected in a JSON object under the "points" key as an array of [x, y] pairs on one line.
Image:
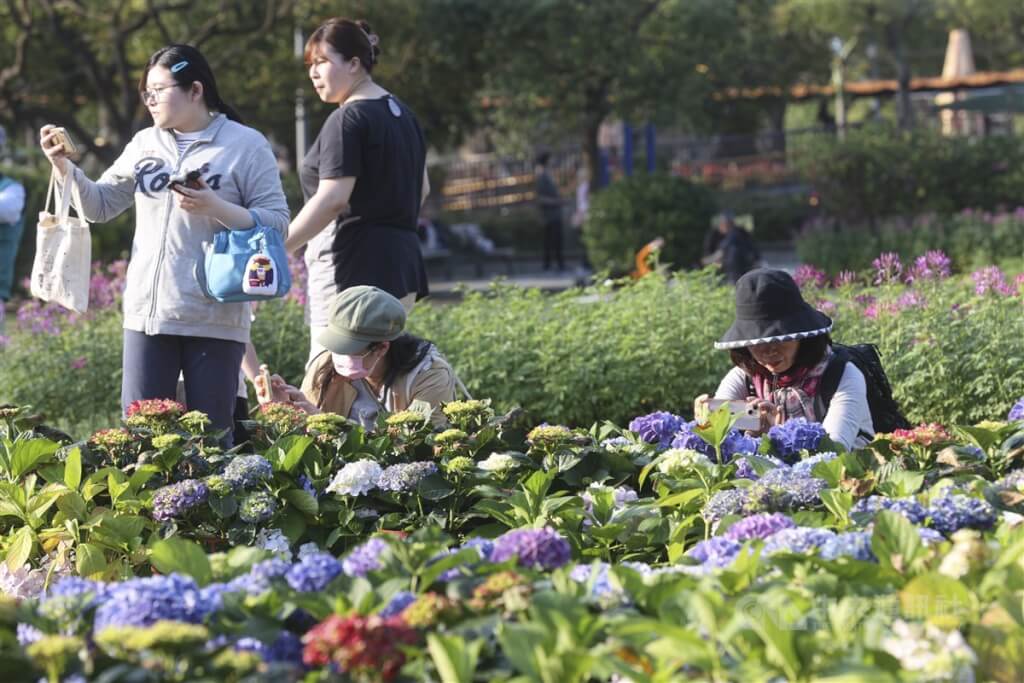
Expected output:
{"points": [[262, 575], [602, 587], [867, 508], [738, 443], [143, 602], [398, 602], [405, 476], [953, 512], [855, 544], [781, 489], [286, 648], [536, 548], [794, 436], [930, 536], [804, 467], [760, 525], [364, 558], [307, 485], [1016, 412], [657, 428], [245, 471], [716, 552], [27, 634], [483, 546], [313, 572], [745, 469], [176, 500], [798, 540], [723, 503]]}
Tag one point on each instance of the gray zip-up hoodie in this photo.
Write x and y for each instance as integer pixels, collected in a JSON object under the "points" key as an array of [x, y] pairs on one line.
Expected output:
{"points": [[162, 295]]}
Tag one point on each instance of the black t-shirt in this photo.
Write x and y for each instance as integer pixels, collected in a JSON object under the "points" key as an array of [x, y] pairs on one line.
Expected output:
{"points": [[380, 143]]}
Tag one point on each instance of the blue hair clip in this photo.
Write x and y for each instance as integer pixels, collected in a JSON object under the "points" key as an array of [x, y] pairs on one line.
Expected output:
{"points": [[179, 66]]}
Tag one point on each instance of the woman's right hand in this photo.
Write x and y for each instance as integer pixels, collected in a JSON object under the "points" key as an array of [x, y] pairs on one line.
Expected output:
{"points": [[278, 392], [53, 150], [769, 413]]}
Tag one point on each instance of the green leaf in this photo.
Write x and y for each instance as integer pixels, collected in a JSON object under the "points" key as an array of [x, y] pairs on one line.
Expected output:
{"points": [[294, 447], [302, 501], [29, 454], [178, 555], [780, 646], [116, 488], [434, 487], [830, 470], [73, 506], [838, 503], [679, 499], [895, 542], [454, 659], [941, 600], [73, 469], [20, 548], [89, 559], [717, 426]]}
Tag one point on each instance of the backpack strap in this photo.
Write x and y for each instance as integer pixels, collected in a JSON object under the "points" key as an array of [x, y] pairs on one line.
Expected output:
{"points": [[830, 380]]}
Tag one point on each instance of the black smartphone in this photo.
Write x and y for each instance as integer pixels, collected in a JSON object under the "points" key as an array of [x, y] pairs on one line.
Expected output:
{"points": [[189, 180]]}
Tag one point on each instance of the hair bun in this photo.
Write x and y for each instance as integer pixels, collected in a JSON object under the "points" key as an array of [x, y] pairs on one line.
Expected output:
{"points": [[372, 37]]}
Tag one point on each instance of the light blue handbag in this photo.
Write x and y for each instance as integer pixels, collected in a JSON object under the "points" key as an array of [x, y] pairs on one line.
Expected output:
{"points": [[245, 265]]}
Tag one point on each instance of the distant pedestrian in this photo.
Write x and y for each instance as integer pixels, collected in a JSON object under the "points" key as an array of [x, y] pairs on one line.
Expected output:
{"points": [[550, 203]]}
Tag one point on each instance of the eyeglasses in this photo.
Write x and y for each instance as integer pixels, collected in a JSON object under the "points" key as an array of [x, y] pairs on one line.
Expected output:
{"points": [[153, 93]]}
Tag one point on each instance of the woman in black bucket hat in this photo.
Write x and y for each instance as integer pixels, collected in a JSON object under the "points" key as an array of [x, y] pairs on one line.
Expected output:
{"points": [[781, 348]]}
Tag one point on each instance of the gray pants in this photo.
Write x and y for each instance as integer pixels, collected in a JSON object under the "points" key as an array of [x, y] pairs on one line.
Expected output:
{"points": [[151, 364]]}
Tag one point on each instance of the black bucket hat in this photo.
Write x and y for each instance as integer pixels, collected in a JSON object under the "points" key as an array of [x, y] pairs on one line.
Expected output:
{"points": [[769, 308]]}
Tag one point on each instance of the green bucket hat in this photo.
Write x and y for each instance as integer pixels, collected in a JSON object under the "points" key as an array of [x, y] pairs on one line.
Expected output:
{"points": [[359, 317]]}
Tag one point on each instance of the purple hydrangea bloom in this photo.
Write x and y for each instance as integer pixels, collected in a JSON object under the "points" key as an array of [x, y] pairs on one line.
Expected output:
{"points": [[735, 442], [598, 573], [952, 512], [716, 552], [1016, 412], [536, 548], [262, 574], [313, 572], [657, 428], [797, 540], [855, 544], [405, 476], [307, 485], [794, 436], [724, 503], [286, 648], [930, 536], [781, 489], [75, 586], [27, 634], [245, 471], [760, 525], [745, 469], [143, 602], [867, 508], [397, 603], [364, 558], [176, 500], [803, 467]]}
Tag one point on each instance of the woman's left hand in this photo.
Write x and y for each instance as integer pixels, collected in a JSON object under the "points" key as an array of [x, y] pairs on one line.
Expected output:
{"points": [[201, 202]]}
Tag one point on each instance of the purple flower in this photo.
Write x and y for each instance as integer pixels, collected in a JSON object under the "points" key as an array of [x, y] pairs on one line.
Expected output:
{"points": [[803, 468], [735, 442], [483, 546], [307, 485], [797, 540], [807, 275], [845, 277], [934, 265], [598, 573], [1016, 412], [657, 428], [313, 572], [794, 436], [952, 512], [990, 279], [405, 476], [930, 536], [781, 489], [745, 469], [176, 500], [397, 603], [855, 544], [364, 558], [759, 526], [143, 602], [724, 503], [887, 268], [536, 548], [285, 648], [261, 576], [910, 300], [715, 552], [866, 508], [246, 471]]}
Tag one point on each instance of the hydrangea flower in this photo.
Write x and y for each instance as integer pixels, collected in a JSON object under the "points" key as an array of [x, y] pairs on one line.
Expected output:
{"points": [[549, 436], [676, 462], [143, 602], [312, 573], [450, 437], [855, 544], [245, 471], [598, 574], [798, 540], [177, 500], [795, 435], [716, 552], [1016, 412], [327, 425], [930, 536], [257, 507], [165, 441], [657, 428], [787, 490], [364, 558], [405, 476], [483, 546], [307, 485], [356, 478], [363, 647], [868, 507], [460, 464], [537, 548], [803, 467], [275, 541], [724, 503], [738, 443], [950, 513], [261, 576], [745, 469], [686, 439], [760, 525], [411, 419], [468, 415], [195, 421], [285, 648], [397, 603], [280, 417], [620, 496], [161, 408], [498, 462]]}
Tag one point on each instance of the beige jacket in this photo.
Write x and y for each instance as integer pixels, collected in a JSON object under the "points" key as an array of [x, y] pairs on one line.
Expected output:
{"points": [[433, 381]]}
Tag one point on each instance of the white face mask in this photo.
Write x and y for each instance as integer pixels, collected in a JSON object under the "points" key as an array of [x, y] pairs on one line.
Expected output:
{"points": [[353, 367]]}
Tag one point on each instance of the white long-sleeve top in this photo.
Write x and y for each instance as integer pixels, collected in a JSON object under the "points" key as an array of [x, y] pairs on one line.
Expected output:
{"points": [[848, 420], [12, 202]]}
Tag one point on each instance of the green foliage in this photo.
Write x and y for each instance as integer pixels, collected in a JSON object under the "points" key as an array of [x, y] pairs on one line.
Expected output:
{"points": [[632, 212]]}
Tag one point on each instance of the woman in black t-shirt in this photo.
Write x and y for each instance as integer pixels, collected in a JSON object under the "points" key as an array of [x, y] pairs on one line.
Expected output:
{"points": [[364, 179]]}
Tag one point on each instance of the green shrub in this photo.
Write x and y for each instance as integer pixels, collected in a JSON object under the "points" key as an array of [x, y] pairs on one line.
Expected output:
{"points": [[630, 213]]}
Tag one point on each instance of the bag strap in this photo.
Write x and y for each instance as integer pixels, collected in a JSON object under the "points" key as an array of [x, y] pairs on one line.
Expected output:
{"points": [[830, 380]]}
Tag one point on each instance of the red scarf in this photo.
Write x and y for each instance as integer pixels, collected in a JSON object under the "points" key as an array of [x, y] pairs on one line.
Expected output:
{"points": [[794, 390]]}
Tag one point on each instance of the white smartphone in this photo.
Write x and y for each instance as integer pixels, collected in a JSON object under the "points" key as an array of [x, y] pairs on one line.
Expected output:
{"points": [[747, 415]]}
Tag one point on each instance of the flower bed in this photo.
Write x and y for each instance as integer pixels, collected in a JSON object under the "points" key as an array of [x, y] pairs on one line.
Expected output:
{"points": [[492, 550]]}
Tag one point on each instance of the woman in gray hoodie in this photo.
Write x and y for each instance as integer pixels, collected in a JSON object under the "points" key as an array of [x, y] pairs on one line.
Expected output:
{"points": [[170, 326]]}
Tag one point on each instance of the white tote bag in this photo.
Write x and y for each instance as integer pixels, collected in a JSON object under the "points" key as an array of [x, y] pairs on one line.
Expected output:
{"points": [[61, 269]]}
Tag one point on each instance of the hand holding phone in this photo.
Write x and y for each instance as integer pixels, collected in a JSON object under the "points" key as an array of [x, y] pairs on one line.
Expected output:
{"points": [[189, 179], [747, 412]]}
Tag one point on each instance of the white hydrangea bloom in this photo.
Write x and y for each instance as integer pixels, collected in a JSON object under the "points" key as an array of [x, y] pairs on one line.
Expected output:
{"points": [[276, 542], [676, 461], [498, 462], [356, 478]]}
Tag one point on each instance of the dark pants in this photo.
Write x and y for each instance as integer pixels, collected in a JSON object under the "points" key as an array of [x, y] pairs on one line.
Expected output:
{"points": [[241, 413], [151, 364], [553, 244], [10, 239]]}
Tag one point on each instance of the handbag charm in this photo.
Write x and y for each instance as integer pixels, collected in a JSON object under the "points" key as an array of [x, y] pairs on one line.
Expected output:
{"points": [[260, 276]]}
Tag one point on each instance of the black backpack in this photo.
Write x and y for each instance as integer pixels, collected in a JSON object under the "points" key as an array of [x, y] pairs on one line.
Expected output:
{"points": [[885, 412]]}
